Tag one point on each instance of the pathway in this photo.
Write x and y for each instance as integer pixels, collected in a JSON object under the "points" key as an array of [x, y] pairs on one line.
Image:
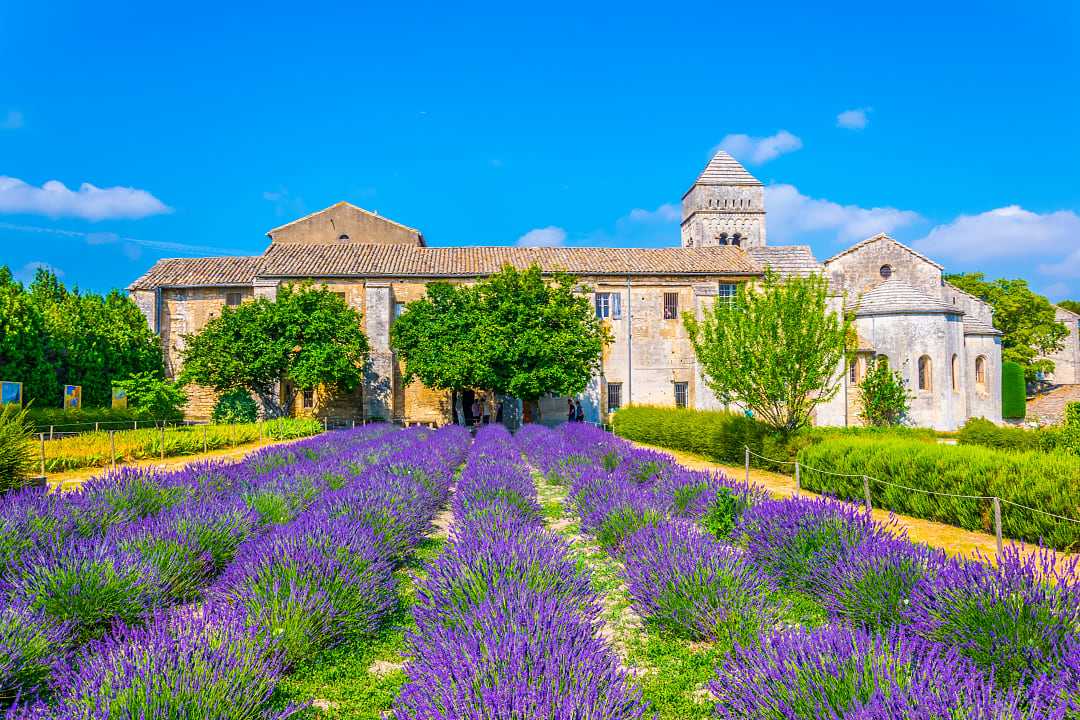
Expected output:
{"points": [[953, 540]]}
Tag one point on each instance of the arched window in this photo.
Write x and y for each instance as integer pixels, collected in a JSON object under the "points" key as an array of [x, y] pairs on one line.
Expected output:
{"points": [[956, 373], [885, 271], [722, 239], [343, 237], [926, 373], [980, 373], [736, 239]]}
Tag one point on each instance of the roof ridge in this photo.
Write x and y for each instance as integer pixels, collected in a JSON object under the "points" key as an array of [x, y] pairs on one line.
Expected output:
{"points": [[339, 203], [890, 238]]}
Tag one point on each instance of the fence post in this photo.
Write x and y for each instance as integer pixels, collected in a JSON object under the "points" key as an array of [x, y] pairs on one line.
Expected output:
{"points": [[325, 424], [260, 432], [798, 478], [95, 426], [136, 425], [354, 424], [997, 525], [866, 492], [162, 441], [50, 432], [204, 439], [42, 454], [748, 466], [112, 447]]}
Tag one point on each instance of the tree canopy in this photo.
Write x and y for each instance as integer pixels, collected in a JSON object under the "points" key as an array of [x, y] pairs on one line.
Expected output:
{"points": [[515, 333], [51, 336], [777, 349], [884, 400], [307, 337], [1025, 318]]}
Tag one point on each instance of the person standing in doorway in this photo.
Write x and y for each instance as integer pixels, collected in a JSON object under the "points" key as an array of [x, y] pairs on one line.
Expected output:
{"points": [[579, 414], [475, 411], [571, 411]]}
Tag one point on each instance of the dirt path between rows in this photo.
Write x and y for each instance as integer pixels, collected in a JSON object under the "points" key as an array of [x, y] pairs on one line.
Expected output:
{"points": [[951, 539]]}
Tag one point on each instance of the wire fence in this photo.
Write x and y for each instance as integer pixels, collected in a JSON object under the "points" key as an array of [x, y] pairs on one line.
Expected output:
{"points": [[867, 480]]}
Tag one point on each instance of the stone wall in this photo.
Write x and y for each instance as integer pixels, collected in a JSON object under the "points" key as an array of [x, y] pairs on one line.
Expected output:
{"points": [[356, 225], [709, 210], [859, 271], [1067, 359], [983, 400]]}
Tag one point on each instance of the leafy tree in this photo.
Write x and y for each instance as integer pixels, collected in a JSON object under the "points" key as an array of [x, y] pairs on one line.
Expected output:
{"points": [[1025, 318], [884, 400], [235, 406], [153, 396], [514, 332], [1070, 305], [53, 336], [304, 339], [438, 339], [538, 336], [776, 349]]}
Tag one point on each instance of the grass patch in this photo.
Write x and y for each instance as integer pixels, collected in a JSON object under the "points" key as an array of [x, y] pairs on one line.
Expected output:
{"points": [[677, 671]]}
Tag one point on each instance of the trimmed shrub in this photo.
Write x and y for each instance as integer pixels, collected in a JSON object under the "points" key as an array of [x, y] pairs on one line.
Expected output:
{"points": [[16, 448], [1072, 415], [1013, 391], [1044, 481], [235, 406]]}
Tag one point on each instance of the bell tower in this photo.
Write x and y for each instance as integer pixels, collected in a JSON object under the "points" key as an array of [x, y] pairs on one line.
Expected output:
{"points": [[724, 206]]}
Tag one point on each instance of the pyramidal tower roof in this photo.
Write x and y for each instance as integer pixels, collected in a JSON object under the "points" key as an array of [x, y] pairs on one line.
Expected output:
{"points": [[725, 170]]}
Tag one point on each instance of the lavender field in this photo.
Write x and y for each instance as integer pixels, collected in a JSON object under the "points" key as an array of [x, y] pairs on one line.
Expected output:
{"points": [[579, 577]]}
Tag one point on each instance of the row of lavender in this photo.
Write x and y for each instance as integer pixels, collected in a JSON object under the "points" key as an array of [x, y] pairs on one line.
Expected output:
{"points": [[911, 632], [507, 622], [187, 594]]}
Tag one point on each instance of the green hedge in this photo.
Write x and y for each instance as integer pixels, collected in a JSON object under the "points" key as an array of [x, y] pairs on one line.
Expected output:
{"points": [[978, 431], [84, 419], [1013, 391], [1043, 480]]}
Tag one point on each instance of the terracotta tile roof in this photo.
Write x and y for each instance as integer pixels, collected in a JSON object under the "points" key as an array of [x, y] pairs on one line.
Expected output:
{"points": [[975, 326], [411, 261], [195, 272], [725, 170], [787, 260]]}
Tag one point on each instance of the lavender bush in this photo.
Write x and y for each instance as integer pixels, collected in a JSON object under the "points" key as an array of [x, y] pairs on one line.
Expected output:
{"points": [[1018, 620], [193, 664], [835, 673], [871, 582], [122, 495], [311, 584], [687, 582], [30, 642], [89, 584], [790, 538]]}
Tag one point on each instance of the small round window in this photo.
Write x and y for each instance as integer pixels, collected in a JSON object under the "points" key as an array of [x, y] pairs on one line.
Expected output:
{"points": [[886, 271], [343, 238]]}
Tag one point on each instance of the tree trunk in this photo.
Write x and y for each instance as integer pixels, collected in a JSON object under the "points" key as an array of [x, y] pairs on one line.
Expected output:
{"points": [[453, 407]]}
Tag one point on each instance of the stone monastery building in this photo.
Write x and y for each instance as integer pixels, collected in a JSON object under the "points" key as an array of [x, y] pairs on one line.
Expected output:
{"points": [[941, 339]]}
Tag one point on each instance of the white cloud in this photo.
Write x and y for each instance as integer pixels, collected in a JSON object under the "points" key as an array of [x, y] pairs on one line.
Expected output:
{"points": [[129, 245], [1007, 232], [285, 203], [790, 214], [12, 121], [1056, 291], [666, 213], [54, 199], [854, 119], [758, 150], [549, 236], [26, 273], [1069, 266]]}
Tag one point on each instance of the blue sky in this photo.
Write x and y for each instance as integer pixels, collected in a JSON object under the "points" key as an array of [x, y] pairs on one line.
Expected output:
{"points": [[198, 127]]}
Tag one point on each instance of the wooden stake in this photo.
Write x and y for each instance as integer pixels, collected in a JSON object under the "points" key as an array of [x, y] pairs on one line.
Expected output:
{"points": [[112, 447], [748, 467], [798, 479], [866, 492], [997, 525], [42, 454]]}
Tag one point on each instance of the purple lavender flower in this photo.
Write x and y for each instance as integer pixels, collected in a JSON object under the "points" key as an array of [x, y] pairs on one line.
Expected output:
{"points": [[30, 642], [88, 584], [193, 663], [790, 538], [29, 518], [122, 495], [870, 583], [311, 584], [686, 581], [1018, 620], [835, 673], [516, 655]]}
